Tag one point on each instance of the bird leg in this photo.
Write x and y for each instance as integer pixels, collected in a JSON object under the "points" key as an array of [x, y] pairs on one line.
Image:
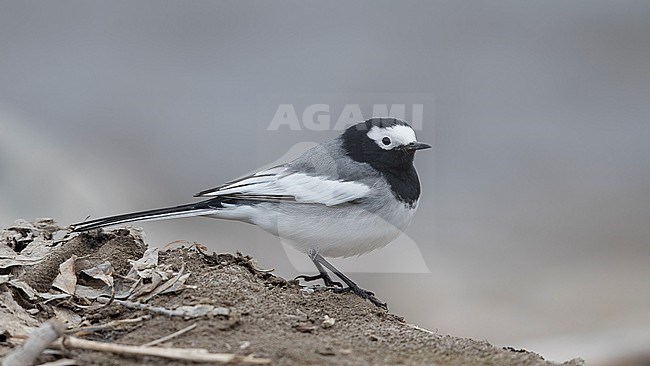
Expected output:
{"points": [[352, 287]]}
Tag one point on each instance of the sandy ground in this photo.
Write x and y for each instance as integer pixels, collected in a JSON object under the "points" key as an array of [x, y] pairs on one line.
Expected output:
{"points": [[267, 316]]}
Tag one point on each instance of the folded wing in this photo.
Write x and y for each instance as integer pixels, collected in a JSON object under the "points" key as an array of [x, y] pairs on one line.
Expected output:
{"points": [[282, 184]]}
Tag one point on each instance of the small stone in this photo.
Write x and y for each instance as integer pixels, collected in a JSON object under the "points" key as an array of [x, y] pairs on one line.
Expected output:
{"points": [[326, 351], [327, 322]]}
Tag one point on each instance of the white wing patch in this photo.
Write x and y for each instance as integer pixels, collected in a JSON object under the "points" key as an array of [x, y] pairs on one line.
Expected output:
{"points": [[281, 184], [306, 188]]}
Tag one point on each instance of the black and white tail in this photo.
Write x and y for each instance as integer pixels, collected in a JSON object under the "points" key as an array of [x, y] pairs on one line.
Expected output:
{"points": [[189, 210]]}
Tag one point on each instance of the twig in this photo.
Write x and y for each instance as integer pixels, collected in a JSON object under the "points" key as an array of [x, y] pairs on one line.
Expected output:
{"points": [[183, 311], [93, 328], [39, 340], [173, 335], [61, 362], [193, 354]]}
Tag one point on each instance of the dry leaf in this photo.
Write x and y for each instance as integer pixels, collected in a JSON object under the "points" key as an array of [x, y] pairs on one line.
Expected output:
{"points": [[148, 261], [14, 319], [25, 288], [66, 280], [166, 285], [91, 293], [102, 272]]}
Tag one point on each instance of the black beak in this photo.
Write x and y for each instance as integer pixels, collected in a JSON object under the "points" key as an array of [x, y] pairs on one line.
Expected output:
{"points": [[417, 146]]}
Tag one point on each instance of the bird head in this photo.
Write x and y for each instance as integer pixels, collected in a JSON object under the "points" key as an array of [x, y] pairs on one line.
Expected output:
{"points": [[387, 144]]}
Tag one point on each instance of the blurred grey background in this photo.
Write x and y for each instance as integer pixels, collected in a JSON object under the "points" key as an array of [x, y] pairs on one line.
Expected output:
{"points": [[534, 227]]}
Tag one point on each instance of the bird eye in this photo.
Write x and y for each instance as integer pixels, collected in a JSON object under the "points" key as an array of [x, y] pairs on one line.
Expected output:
{"points": [[385, 141]]}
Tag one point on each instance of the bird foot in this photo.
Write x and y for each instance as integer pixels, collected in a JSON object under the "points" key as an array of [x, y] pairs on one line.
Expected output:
{"points": [[364, 294], [323, 276]]}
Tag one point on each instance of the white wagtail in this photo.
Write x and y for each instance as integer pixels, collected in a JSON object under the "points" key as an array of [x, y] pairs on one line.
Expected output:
{"points": [[344, 197]]}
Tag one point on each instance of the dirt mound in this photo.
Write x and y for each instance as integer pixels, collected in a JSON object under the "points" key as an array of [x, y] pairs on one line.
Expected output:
{"points": [[223, 302]]}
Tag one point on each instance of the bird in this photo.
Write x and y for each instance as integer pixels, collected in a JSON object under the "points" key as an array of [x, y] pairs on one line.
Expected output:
{"points": [[343, 197]]}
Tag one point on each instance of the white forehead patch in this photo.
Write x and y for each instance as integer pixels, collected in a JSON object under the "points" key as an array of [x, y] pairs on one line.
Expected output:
{"points": [[398, 135]]}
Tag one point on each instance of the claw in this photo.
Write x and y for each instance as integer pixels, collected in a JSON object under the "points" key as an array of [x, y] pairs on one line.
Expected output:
{"points": [[364, 294]]}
